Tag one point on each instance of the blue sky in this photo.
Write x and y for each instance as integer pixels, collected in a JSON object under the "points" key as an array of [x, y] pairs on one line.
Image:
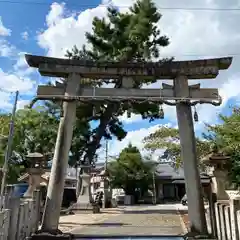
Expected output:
{"points": [[49, 28]]}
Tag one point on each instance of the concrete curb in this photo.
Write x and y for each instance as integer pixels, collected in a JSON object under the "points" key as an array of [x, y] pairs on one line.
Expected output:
{"points": [[183, 225]]}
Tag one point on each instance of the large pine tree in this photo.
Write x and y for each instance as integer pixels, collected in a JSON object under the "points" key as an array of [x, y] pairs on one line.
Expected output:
{"points": [[122, 37]]}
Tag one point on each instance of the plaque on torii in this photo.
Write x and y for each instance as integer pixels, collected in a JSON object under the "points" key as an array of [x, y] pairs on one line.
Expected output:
{"points": [[184, 95]]}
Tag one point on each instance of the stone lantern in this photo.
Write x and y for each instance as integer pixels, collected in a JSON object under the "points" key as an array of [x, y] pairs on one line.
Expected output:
{"points": [[218, 170], [37, 166], [84, 199]]}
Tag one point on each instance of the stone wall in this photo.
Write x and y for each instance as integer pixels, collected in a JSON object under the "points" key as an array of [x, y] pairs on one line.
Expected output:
{"points": [[227, 217], [19, 217]]}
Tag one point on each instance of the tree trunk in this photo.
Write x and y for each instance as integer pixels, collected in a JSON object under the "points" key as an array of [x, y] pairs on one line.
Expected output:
{"points": [[91, 150], [99, 134]]}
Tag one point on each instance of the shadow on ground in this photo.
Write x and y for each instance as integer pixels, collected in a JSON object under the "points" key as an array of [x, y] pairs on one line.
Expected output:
{"points": [[128, 237], [102, 224], [153, 211]]}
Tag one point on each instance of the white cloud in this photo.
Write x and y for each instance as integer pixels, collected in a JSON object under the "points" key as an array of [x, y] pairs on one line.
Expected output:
{"points": [[3, 30], [6, 49], [63, 32], [56, 14], [21, 62], [6, 101], [229, 90], [22, 103], [193, 35], [133, 118], [11, 82], [21, 67], [5, 98], [134, 137], [25, 35]]}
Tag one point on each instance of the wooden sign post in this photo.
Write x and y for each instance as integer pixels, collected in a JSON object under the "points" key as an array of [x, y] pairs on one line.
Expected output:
{"points": [[181, 92]]}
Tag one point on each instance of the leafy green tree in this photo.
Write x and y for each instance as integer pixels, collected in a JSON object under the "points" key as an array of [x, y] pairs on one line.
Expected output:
{"points": [[34, 131], [81, 132], [131, 172], [13, 170], [124, 37], [4, 129], [168, 139], [225, 136]]}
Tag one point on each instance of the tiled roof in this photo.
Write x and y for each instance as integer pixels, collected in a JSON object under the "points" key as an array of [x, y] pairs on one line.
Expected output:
{"points": [[166, 171], [163, 170]]}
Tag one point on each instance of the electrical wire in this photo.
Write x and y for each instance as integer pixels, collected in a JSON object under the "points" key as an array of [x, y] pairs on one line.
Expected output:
{"points": [[216, 55], [124, 6]]}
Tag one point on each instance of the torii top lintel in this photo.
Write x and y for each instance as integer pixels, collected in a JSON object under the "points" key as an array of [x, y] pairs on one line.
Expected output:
{"points": [[196, 69]]}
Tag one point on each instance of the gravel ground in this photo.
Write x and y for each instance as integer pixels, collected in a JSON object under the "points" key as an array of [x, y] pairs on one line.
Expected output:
{"points": [[137, 222], [70, 222]]}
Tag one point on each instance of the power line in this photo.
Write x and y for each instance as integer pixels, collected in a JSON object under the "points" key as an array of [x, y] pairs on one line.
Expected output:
{"points": [[217, 55], [124, 6]]}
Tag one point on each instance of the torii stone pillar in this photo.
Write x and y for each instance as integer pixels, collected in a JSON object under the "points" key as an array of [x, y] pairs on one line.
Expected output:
{"points": [[60, 160], [194, 190]]}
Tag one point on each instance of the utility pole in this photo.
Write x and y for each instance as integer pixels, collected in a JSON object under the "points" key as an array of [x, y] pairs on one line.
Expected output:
{"points": [[154, 188], [104, 180], [106, 154], [8, 152]]}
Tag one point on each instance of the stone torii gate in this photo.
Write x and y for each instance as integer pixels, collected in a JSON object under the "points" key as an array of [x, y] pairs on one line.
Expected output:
{"points": [[184, 95]]}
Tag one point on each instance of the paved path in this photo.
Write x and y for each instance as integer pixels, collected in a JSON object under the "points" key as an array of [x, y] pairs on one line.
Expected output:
{"points": [[77, 221], [138, 220]]}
